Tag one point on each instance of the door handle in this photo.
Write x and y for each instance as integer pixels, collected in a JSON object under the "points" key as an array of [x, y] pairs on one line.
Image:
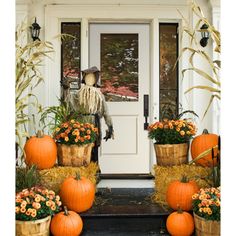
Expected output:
{"points": [[146, 110]]}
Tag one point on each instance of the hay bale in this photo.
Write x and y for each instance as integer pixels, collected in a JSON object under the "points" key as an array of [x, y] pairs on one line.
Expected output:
{"points": [[53, 178], [165, 175]]}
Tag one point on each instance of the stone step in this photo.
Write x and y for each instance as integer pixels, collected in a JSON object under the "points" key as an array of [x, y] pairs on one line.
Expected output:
{"points": [[125, 211]]}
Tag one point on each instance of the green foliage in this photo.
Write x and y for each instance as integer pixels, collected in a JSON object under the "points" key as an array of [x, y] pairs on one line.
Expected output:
{"points": [[27, 177], [54, 116], [170, 112]]}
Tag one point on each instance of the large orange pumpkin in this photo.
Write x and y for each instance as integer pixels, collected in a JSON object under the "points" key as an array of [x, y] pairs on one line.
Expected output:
{"points": [[77, 193], [202, 143], [40, 150], [67, 223], [179, 194], [180, 223]]}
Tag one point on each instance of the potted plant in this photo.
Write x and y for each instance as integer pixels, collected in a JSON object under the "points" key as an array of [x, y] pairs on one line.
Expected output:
{"points": [[34, 208], [206, 210], [171, 140], [75, 141]]}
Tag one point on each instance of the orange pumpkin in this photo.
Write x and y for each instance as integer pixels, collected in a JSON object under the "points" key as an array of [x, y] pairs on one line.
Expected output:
{"points": [[77, 193], [67, 223], [179, 194], [180, 223], [202, 143], [40, 150]]}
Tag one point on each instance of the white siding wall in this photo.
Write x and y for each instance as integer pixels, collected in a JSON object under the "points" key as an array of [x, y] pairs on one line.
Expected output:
{"points": [[196, 100]]}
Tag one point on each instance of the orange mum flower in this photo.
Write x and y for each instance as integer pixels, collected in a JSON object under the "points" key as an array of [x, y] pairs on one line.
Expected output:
{"points": [[88, 131]]}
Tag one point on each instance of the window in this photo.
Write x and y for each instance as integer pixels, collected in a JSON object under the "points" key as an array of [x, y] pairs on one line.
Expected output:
{"points": [[168, 42], [70, 53], [119, 67]]}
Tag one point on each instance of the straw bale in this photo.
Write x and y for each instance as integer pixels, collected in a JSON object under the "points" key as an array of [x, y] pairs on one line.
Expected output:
{"points": [[53, 178], [165, 175]]}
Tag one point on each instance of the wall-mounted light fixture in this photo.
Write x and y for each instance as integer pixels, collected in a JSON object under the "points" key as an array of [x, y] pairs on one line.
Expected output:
{"points": [[35, 30], [205, 35]]}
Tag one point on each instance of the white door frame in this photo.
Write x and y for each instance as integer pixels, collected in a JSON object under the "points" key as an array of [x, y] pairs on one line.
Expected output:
{"points": [[154, 14]]}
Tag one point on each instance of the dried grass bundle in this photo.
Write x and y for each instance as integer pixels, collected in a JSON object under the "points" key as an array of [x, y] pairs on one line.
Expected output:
{"points": [[165, 175], [53, 178]]}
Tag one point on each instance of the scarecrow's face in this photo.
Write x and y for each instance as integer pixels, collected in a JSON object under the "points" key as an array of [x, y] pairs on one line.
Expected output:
{"points": [[90, 79]]}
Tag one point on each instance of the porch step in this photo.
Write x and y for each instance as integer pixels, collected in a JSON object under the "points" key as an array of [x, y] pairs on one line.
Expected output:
{"points": [[123, 212]]}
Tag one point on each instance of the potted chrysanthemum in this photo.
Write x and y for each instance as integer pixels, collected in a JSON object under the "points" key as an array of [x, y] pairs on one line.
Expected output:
{"points": [[75, 141], [171, 140], [34, 208], [206, 210]]}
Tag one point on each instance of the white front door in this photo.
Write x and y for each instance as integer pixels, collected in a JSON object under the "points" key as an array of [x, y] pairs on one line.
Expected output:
{"points": [[121, 52]]}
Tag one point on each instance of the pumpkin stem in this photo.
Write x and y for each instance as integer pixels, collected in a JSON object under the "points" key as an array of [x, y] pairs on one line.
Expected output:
{"points": [[179, 210], [205, 131], [184, 179], [77, 177], [66, 213], [39, 134]]}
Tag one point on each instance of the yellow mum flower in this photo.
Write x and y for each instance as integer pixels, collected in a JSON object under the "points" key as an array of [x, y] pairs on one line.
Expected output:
{"points": [[48, 203], [23, 210], [33, 214], [53, 208], [37, 199], [66, 139], [57, 198], [57, 129], [17, 209], [182, 133], [72, 121], [28, 213], [23, 204], [209, 211]]}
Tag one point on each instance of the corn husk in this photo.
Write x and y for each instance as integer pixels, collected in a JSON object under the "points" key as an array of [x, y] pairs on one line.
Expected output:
{"points": [[165, 175], [53, 178]]}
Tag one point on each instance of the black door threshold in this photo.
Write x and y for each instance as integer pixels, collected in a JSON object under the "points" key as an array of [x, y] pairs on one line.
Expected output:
{"points": [[126, 176]]}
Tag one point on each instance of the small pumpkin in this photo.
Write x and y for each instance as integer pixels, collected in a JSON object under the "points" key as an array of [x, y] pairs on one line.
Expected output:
{"points": [[77, 193], [180, 223], [202, 143], [179, 193], [67, 223], [40, 150]]}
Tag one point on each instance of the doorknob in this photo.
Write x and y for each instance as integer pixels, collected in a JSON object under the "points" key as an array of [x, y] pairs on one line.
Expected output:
{"points": [[146, 109]]}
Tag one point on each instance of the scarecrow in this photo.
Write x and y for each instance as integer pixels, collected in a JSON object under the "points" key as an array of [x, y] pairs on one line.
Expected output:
{"points": [[91, 102]]}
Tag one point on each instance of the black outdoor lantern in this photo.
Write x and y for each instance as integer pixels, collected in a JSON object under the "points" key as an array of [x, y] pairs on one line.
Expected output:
{"points": [[35, 30], [205, 35]]}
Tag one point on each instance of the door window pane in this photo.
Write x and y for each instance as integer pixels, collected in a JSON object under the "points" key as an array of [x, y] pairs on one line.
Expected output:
{"points": [[168, 74], [70, 52], [119, 67]]}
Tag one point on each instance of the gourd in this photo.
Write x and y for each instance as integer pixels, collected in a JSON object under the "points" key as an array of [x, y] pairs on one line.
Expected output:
{"points": [[179, 194], [40, 150], [77, 193], [202, 143], [67, 223], [180, 223]]}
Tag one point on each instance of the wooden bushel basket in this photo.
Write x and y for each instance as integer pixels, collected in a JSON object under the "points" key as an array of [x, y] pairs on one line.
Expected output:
{"points": [[206, 227], [34, 228], [74, 155], [171, 154]]}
